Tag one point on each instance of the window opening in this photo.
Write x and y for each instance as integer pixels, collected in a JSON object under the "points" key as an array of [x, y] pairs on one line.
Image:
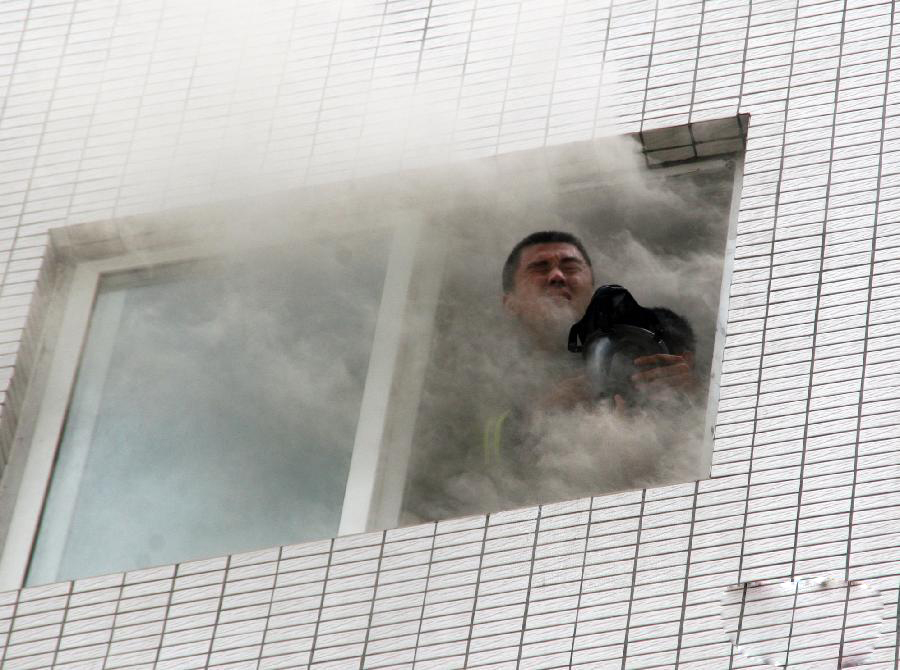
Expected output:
{"points": [[366, 380], [500, 425], [215, 409]]}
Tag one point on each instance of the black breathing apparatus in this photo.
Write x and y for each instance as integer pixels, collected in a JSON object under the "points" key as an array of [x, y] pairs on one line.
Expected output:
{"points": [[614, 331]]}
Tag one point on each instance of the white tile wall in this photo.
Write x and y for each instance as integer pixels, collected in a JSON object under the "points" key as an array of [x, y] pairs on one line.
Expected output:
{"points": [[112, 108]]}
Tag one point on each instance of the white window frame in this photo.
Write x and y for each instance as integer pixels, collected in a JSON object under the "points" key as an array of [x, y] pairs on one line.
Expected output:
{"points": [[367, 501]]}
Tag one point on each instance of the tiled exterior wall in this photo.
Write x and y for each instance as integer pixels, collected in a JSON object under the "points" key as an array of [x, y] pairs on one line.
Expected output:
{"points": [[111, 109]]}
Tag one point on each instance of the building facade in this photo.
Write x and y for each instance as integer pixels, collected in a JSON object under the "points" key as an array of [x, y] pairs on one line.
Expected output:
{"points": [[136, 107]]}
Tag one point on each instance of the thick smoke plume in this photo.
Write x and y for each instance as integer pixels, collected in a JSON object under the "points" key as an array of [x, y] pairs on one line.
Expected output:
{"points": [[305, 329], [658, 232], [661, 234]]}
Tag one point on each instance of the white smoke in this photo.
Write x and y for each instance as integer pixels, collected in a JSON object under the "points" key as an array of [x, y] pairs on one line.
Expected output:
{"points": [[269, 99], [663, 239]]}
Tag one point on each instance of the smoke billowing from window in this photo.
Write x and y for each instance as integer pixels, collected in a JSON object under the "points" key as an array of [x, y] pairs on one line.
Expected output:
{"points": [[291, 123], [659, 233], [223, 99]]}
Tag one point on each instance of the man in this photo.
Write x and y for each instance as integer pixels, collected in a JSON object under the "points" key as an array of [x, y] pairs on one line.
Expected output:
{"points": [[526, 429], [553, 439], [547, 284]]}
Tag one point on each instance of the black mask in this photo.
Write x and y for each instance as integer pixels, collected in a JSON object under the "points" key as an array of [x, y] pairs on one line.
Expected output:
{"points": [[614, 331]]}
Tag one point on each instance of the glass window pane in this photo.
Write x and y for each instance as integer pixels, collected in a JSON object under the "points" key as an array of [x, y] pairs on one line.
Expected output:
{"points": [[214, 411]]}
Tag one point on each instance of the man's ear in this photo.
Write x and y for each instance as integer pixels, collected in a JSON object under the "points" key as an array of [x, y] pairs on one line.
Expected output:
{"points": [[509, 302]]}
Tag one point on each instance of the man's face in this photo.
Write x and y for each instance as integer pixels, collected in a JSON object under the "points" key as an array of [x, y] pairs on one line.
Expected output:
{"points": [[552, 288]]}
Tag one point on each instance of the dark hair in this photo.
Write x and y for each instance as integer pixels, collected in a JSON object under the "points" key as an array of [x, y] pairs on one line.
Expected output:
{"points": [[540, 237], [676, 331]]}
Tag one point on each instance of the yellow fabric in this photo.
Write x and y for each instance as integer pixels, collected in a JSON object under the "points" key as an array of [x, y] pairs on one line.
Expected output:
{"points": [[493, 438]]}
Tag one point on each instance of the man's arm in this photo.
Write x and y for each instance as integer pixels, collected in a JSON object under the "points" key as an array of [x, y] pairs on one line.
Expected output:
{"points": [[663, 375]]}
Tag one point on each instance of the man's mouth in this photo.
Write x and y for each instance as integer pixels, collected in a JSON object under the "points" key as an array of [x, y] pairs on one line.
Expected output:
{"points": [[557, 291]]}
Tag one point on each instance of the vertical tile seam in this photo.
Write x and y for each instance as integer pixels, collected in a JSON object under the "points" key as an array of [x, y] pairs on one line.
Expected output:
{"points": [[15, 63], [687, 572], [165, 617], [745, 131], [462, 79], [815, 323], [280, 87], [369, 86], [95, 102], [180, 128], [229, 106], [62, 626], [318, 117], [587, 537], [862, 386], [315, 637], [650, 64], [425, 592], [362, 655], [634, 571], [487, 522], [112, 625], [599, 101], [534, 542], [740, 622], [509, 70], [776, 200], [762, 352], [215, 625], [557, 55], [12, 620], [415, 87], [897, 634], [697, 67], [421, 45], [4, 274], [262, 643], [137, 116], [796, 589], [815, 335]]}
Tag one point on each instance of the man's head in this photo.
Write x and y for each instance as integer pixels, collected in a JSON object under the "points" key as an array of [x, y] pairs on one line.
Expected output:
{"points": [[547, 284]]}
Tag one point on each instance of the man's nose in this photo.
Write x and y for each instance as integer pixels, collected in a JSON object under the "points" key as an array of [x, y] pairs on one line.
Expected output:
{"points": [[556, 276]]}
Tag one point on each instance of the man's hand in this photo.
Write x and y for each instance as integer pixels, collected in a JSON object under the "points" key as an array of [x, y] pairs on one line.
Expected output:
{"points": [[668, 372]]}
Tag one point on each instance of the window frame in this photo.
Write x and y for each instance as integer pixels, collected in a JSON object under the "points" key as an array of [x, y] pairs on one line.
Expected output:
{"points": [[71, 306], [80, 254]]}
